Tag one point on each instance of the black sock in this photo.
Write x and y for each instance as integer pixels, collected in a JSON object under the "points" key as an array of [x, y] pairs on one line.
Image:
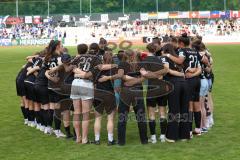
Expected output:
{"points": [[46, 118], [31, 115], [51, 112], [163, 125], [57, 119], [24, 112], [190, 120], [67, 129], [197, 118], [27, 114], [152, 126], [37, 115], [42, 117]]}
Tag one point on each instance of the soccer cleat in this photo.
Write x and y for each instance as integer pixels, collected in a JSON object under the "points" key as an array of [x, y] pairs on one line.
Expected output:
{"points": [[170, 140], [59, 134], [153, 139], [111, 143], [204, 130], [29, 123], [25, 121], [96, 142], [42, 128], [162, 138], [184, 140], [191, 135], [33, 124], [48, 130], [55, 132], [38, 127]]}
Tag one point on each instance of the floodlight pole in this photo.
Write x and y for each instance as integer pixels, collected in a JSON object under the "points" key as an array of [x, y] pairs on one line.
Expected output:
{"points": [[157, 9], [48, 4], [17, 8], [90, 7], [123, 9], [80, 6], [191, 7], [225, 5]]}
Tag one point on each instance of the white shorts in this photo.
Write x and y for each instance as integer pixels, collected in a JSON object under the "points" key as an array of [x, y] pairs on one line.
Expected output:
{"points": [[82, 89], [204, 87]]}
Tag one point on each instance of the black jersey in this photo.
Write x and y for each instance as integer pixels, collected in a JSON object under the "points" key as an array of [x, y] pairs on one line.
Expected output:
{"points": [[107, 85], [35, 62], [192, 58], [64, 83], [23, 72], [86, 62], [41, 79], [53, 62], [173, 66], [130, 70], [158, 53], [101, 53], [153, 64]]}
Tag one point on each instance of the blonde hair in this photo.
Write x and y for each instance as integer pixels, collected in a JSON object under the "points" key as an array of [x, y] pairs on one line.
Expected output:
{"points": [[131, 58]]}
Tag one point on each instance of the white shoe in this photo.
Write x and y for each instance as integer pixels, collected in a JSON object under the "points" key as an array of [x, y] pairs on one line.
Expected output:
{"points": [[170, 140], [162, 138], [25, 121], [42, 128], [38, 127], [29, 123], [153, 139], [59, 134], [191, 135], [48, 130], [33, 124], [55, 132]]}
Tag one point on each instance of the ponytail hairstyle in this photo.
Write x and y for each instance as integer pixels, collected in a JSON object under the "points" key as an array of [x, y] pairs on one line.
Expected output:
{"points": [[184, 39], [196, 44], [169, 48], [131, 58], [43, 53], [51, 49]]}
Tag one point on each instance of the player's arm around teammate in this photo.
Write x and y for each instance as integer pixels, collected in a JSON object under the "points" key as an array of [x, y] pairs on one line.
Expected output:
{"points": [[131, 95], [153, 69], [82, 91]]}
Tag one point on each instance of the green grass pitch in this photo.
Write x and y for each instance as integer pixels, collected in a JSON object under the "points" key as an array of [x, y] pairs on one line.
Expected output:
{"points": [[222, 142]]}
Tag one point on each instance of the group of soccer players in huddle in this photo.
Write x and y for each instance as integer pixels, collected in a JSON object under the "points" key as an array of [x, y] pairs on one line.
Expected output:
{"points": [[173, 79]]}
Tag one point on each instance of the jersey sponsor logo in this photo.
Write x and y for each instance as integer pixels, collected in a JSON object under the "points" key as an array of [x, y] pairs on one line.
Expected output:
{"points": [[181, 54]]}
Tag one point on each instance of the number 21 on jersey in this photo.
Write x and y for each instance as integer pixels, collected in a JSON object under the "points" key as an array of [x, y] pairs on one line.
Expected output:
{"points": [[193, 61]]}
